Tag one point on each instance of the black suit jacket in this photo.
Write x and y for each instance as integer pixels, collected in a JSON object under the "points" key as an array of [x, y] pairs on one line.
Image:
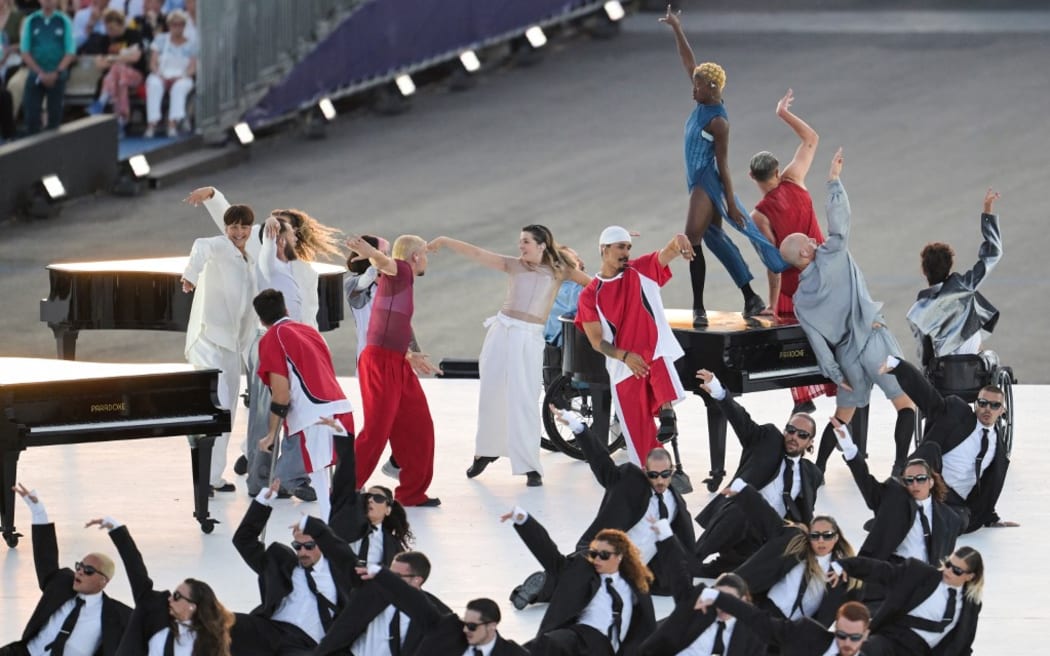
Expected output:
{"points": [[370, 600], [575, 586], [803, 637], [56, 584], [767, 566], [446, 638], [907, 585], [895, 514], [685, 624], [763, 452], [949, 421]]}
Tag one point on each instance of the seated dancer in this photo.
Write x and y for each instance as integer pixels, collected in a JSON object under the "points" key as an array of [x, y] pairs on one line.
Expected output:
{"points": [[800, 637], [786, 208], [622, 314], [477, 633], [600, 605], [789, 573], [74, 612], [635, 502], [844, 325], [511, 362], [565, 301], [963, 443], [711, 196], [687, 632], [912, 519], [773, 463], [927, 611], [950, 316]]}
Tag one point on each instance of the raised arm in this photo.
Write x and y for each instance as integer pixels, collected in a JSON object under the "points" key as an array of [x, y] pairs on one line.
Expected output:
{"points": [[671, 19], [798, 167], [747, 431], [246, 537], [213, 200], [679, 246], [602, 466], [381, 261], [991, 250], [471, 252], [837, 207]]}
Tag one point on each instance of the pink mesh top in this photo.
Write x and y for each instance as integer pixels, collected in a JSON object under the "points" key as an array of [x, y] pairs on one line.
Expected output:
{"points": [[390, 326], [530, 292]]}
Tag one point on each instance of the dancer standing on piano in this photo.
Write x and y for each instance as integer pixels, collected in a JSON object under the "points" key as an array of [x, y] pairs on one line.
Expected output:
{"points": [[622, 314], [845, 327], [711, 197], [786, 208]]}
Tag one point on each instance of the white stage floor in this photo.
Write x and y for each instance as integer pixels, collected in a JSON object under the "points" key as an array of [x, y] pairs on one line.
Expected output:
{"points": [[146, 485]]}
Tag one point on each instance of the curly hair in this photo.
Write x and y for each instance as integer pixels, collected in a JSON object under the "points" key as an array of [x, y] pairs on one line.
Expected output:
{"points": [[711, 72], [397, 521], [313, 238], [800, 548], [210, 620], [631, 566], [940, 488], [937, 261]]}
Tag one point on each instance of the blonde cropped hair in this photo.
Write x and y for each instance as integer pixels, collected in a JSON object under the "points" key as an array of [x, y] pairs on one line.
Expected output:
{"points": [[406, 246], [712, 72]]}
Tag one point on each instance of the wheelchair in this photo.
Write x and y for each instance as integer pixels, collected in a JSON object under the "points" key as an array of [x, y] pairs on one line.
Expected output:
{"points": [[964, 376]]}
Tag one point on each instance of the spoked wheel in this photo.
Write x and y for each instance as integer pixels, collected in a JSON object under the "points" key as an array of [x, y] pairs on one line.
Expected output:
{"points": [[1005, 380], [564, 394]]}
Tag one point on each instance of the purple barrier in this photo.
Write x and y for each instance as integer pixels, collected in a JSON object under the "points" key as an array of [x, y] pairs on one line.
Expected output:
{"points": [[385, 36]]}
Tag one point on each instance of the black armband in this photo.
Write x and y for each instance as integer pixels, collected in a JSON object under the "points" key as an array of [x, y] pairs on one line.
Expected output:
{"points": [[279, 409]]}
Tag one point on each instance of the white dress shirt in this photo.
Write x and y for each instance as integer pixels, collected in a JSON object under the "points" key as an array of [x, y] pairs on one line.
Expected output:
{"points": [[375, 546], [914, 543], [222, 310], [375, 641], [299, 607], [86, 635], [773, 492], [933, 609], [958, 464], [183, 645], [784, 591], [642, 534], [705, 642], [486, 649], [598, 614]]}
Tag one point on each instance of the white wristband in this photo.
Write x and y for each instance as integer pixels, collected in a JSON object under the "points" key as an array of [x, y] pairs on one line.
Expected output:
{"points": [[891, 362], [738, 485], [718, 392], [519, 515], [663, 529], [708, 595]]}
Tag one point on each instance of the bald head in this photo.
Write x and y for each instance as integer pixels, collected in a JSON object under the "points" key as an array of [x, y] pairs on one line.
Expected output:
{"points": [[798, 250]]}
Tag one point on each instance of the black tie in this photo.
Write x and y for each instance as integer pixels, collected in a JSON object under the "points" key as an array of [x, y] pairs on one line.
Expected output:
{"points": [[790, 509], [719, 647], [661, 507], [927, 534], [803, 585], [57, 647], [477, 652], [169, 643], [395, 633], [977, 465], [949, 610], [617, 608], [362, 550], [325, 608]]}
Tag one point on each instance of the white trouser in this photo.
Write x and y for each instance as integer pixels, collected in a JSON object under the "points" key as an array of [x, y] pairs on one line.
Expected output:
{"points": [[180, 90], [511, 370], [206, 355]]}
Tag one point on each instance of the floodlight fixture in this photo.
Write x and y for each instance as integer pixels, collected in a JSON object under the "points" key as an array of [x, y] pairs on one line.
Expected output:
{"points": [[536, 37], [470, 61], [139, 165], [405, 85], [614, 10], [327, 108], [244, 133]]}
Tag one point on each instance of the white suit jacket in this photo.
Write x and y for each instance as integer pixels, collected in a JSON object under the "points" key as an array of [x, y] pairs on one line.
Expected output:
{"points": [[222, 303]]}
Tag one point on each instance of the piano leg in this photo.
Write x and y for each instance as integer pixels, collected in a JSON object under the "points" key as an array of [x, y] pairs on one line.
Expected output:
{"points": [[716, 437], [65, 341], [200, 460], [8, 478]]}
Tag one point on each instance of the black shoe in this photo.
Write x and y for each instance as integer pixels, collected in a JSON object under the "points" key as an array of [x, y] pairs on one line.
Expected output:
{"points": [[241, 466], [285, 494], [526, 593], [479, 465], [305, 493], [668, 425], [699, 318], [228, 487], [533, 479], [806, 407], [753, 306], [432, 502]]}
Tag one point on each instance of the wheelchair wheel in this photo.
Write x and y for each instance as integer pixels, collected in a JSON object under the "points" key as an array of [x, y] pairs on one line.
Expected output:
{"points": [[563, 393], [918, 427], [1004, 378]]}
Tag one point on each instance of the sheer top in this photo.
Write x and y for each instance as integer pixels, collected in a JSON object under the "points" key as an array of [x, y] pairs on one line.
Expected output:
{"points": [[530, 291]]}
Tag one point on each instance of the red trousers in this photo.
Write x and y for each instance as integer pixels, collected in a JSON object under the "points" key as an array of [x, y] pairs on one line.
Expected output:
{"points": [[396, 411], [638, 401]]}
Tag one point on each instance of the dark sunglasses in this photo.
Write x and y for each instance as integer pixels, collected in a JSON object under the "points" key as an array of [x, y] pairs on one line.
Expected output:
{"points": [[822, 535], [920, 479], [88, 569], [852, 637], [958, 571], [474, 626], [178, 596], [378, 498], [659, 474], [802, 435], [303, 545], [603, 555], [985, 403]]}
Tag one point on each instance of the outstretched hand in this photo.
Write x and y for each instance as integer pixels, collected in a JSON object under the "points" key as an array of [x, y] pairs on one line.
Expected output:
{"points": [[784, 106], [685, 249], [100, 522], [510, 515], [671, 18], [25, 493], [705, 377], [198, 196], [990, 197], [836, 165]]}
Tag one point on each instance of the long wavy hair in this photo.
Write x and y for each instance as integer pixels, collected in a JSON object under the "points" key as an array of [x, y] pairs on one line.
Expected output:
{"points": [[940, 489], [631, 566], [552, 255], [210, 620], [397, 521], [799, 547], [313, 238], [974, 588]]}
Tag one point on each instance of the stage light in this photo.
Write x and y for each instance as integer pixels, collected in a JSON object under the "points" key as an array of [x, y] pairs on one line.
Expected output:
{"points": [[536, 37], [53, 187], [43, 199], [244, 134], [327, 108], [131, 176], [614, 10], [470, 61], [405, 85], [139, 166]]}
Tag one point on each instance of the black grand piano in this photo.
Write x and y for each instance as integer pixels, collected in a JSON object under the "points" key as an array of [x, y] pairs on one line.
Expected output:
{"points": [[49, 402], [144, 294]]}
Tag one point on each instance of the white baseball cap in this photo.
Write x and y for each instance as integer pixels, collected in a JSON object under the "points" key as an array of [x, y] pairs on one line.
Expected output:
{"points": [[614, 235]]}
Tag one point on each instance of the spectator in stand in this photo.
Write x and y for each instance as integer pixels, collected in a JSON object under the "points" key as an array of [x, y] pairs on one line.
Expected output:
{"points": [[151, 23], [119, 54], [172, 67], [48, 51], [190, 7], [88, 20], [127, 7]]}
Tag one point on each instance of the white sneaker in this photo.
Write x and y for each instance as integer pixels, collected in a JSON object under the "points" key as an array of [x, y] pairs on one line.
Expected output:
{"points": [[150, 132], [390, 470]]}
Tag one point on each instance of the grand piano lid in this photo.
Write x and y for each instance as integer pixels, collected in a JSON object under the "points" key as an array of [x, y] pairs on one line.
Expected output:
{"points": [[24, 371], [724, 322], [167, 265]]}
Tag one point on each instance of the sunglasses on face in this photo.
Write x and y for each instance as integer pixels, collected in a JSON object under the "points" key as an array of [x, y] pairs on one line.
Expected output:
{"points": [[985, 403], [802, 435], [474, 626], [178, 596], [88, 569], [956, 570], [600, 555], [653, 475], [852, 637], [910, 480], [822, 535], [378, 498], [304, 545]]}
